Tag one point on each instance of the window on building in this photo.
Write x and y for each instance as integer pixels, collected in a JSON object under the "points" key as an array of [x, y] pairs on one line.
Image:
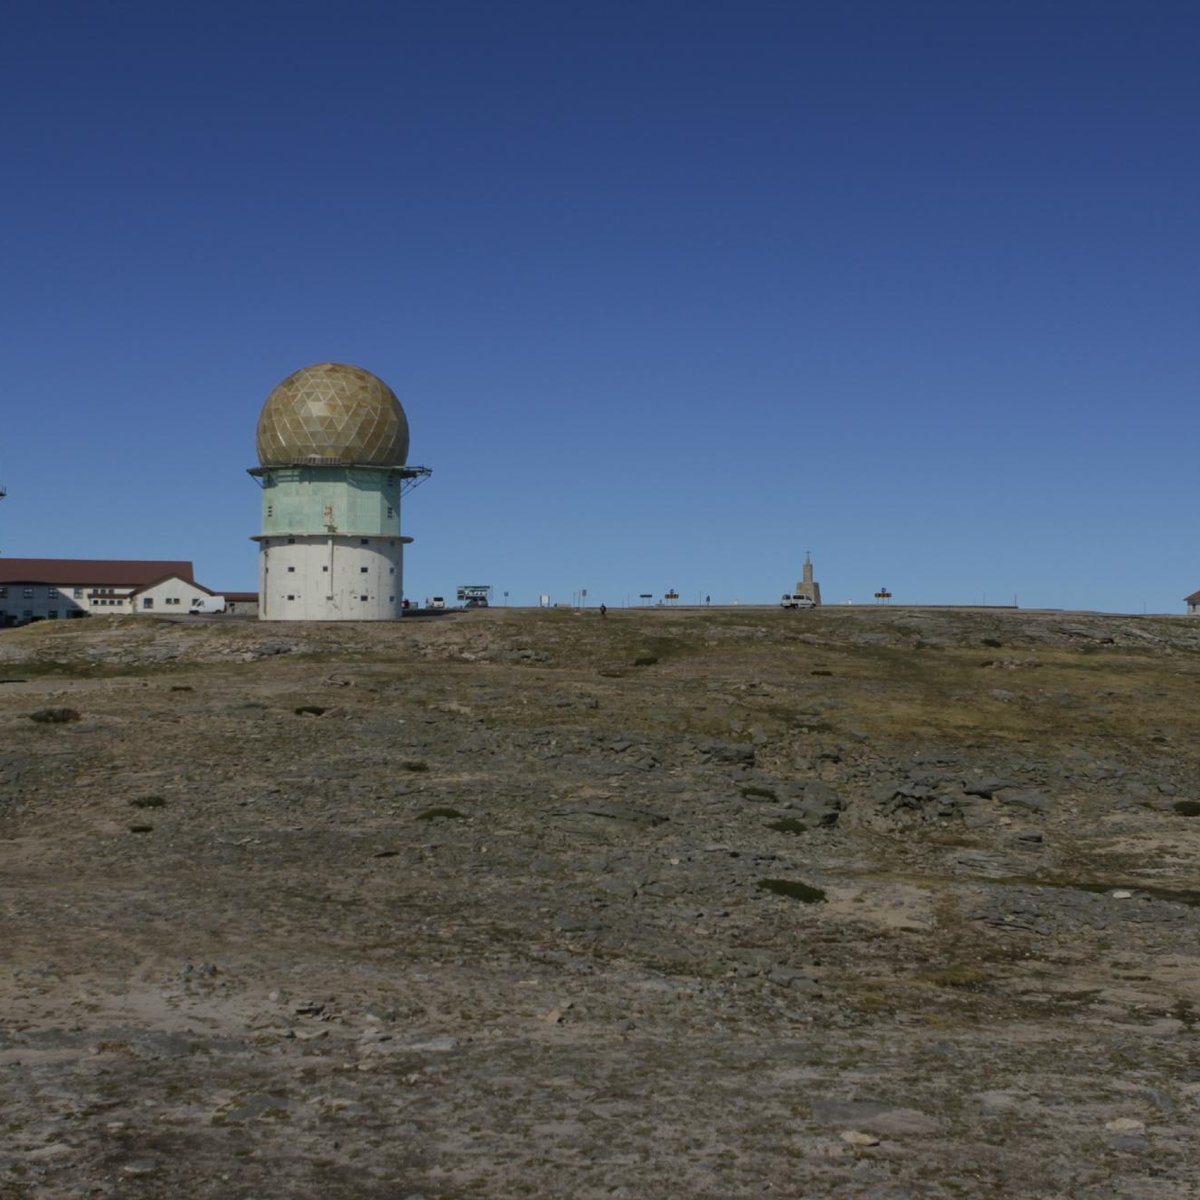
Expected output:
{"points": [[364, 541], [292, 570], [363, 570], [362, 597], [27, 593], [52, 615], [291, 597], [3, 593], [389, 510], [325, 569], [147, 601], [79, 593], [270, 510], [391, 599], [391, 570], [27, 614], [291, 541], [52, 593]]}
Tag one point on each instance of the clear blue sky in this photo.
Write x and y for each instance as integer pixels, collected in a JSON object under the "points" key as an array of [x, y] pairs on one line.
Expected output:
{"points": [[671, 291]]}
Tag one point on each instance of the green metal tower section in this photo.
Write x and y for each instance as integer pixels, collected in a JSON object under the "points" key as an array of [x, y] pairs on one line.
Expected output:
{"points": [[351, 501]]}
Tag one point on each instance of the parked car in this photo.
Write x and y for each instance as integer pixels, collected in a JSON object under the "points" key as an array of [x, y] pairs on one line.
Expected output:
{"points": [[797, 602]]}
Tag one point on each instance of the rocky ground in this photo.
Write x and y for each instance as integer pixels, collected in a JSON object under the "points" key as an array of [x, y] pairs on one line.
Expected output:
{"points": [[845, 903]]}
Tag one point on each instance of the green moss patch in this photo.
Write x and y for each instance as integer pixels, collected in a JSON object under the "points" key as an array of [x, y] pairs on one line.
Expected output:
{"points": [[788, 825], [958, 976]]}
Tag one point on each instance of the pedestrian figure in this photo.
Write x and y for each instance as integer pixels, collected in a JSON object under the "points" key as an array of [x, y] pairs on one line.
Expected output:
{"points": [[604, 610]]}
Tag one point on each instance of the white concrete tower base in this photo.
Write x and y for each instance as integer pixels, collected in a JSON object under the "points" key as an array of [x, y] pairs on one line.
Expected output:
{"points": [[322, 577]]}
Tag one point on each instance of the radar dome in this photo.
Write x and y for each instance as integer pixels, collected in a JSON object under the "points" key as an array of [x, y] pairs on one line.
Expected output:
{"points": [[332, 413]]}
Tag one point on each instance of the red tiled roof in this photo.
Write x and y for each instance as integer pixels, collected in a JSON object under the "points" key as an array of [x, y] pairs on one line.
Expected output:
{"points": [[80, 572], [1194, 598], [240, 597]]}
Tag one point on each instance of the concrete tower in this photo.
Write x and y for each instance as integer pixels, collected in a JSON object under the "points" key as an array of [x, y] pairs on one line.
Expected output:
{"points": [[808, 586], [332, 446]]}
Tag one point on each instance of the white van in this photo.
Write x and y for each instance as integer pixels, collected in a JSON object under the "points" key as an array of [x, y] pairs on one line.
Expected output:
{"points": [[797, 602]]}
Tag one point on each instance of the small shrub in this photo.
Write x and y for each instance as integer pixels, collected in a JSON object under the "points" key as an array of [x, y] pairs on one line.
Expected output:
{"points": [[1187, 808], [414, 764], [54, 716], [788, 825], [440, 814], [148, 802], [793, 890]]}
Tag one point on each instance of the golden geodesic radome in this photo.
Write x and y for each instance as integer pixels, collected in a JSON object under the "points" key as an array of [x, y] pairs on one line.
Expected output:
{"points": [[332, 413]]}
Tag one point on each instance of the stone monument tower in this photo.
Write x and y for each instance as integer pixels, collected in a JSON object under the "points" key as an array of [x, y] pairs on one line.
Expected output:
{"points": [[808, 586], [332, 447]]}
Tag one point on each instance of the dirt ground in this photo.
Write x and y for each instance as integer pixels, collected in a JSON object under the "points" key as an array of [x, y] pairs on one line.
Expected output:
{"points": [[844, 903]]}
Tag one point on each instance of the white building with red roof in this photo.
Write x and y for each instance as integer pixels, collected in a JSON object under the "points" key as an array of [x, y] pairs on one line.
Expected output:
{"points": [[49, 589]]}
